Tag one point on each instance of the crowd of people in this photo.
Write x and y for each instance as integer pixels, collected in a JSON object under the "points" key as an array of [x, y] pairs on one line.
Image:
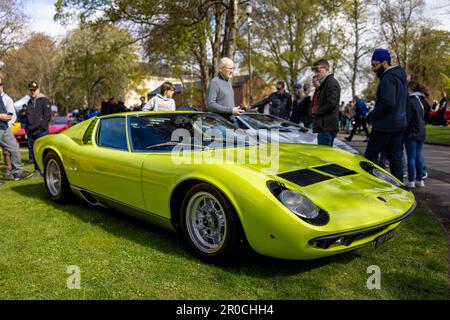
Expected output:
{"points": [[397, 118]]}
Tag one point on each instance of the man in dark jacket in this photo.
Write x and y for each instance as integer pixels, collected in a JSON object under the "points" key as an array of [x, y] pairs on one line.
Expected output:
{"points": [[280, 102], [326, 111], [39, 114], [388, 118]]}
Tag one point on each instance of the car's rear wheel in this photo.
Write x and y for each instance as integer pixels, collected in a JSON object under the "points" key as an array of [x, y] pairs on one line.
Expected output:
{"points": [[55, 178], [210, 224]]}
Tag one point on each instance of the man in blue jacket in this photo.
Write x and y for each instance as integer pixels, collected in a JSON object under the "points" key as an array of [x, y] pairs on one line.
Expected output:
{"points": [[388, 118]]}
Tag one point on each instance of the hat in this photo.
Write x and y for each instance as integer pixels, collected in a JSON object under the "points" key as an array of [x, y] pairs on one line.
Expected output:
{"points": [[381, 55], [33, 85]]}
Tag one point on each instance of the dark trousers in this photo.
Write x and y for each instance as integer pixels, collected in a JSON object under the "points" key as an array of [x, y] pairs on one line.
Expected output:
{"points": [[359, 121], [391, 143], [32, 137]]}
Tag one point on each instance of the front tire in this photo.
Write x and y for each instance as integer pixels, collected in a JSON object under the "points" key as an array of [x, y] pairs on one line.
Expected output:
{"points": [[55, 178], [210, 224]]}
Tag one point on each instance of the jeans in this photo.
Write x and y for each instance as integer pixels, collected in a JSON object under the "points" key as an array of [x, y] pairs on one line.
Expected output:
{"points": [[326, 138], [9, 142], [391, 143], [32, 137], [414, 150]]}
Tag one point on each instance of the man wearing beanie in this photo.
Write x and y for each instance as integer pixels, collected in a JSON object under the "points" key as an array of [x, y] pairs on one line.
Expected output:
{"points": [[388, 118]]}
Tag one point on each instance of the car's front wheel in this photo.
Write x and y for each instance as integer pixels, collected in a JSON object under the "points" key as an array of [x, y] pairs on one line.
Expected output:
{"points": [[55, 178], [210, 224]]}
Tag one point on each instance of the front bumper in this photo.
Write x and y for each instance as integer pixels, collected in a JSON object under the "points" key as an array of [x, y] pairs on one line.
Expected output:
{"points": [[348, 238]]}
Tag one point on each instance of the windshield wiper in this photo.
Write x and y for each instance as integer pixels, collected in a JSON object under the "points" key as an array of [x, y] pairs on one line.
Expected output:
{"points": [[172, 144]]}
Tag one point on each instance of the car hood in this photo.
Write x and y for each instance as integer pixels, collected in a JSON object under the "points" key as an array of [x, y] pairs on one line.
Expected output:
{"points": [[355, 200]]}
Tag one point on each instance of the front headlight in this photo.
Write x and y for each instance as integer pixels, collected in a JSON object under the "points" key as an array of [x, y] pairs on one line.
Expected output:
{"points": [[299, 204], [385, 177]]}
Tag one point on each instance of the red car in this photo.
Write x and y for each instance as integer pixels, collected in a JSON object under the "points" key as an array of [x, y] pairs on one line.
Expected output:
{"points": [[57, 125], [434, 121]]}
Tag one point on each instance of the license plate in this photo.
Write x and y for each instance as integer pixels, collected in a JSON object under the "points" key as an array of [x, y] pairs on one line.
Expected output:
{"points": [[384, 237]]}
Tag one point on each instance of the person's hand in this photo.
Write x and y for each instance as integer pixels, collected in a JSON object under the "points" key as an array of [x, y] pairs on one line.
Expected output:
{"points": [[5, 117], [238, 110]]}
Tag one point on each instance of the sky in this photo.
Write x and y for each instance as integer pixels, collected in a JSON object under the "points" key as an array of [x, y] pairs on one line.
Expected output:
{"points": [[41, 15]]}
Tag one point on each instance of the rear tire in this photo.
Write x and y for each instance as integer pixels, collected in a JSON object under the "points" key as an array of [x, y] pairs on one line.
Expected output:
{"points": [[55, 178], [210, 225]]}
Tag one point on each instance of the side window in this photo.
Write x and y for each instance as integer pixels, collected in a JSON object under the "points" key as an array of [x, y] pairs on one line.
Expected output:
{"points": [[112, 133]]}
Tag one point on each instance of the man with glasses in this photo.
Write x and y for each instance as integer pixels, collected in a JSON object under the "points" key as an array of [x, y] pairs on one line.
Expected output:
{"points": [[326, 109], [39, 115], [388, 118], [7, 140], [220, 96]]}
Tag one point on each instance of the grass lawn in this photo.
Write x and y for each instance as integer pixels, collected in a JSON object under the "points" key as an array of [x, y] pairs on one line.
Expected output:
{"points": [[436, 134], [123, 258]]}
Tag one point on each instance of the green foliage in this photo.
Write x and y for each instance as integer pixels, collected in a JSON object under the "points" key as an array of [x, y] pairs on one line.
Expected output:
{"points": [[37, 59], [292, 35], [97, 61], [430, 60]]}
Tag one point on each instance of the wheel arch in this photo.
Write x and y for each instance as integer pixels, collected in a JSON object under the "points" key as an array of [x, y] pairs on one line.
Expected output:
{"points": [[178, 193]]}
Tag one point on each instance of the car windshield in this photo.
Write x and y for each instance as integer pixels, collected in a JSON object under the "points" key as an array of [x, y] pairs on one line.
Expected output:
{"points": [[262, 121], [58, 120], [162, 132]]}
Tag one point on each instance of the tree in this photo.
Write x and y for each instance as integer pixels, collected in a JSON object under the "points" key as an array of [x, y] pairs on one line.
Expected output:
{"points": [[95, 62], [356, 13], [200, 31], [400, 23], [12, 24], [37, 59], [291, 35], [430, 60]]}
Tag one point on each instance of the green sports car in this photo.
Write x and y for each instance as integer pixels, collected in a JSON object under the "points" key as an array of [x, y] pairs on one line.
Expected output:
{"points": [[223, 189]]}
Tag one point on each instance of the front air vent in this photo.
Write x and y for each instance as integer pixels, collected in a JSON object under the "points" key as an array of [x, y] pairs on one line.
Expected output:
{"points": [[335, 170], [87, 138], [304, 177]]}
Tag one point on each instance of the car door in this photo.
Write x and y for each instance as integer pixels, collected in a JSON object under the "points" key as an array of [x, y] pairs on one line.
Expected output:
{"points": [[107, 167]]}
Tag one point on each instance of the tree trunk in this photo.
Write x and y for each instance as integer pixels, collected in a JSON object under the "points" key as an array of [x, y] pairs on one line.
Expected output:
{"points": [[229, 45]]}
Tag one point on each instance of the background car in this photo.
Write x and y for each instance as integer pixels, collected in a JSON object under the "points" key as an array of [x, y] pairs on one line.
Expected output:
{"points": [[433, 117], [163, 167], [289, 132], [57, 124]]}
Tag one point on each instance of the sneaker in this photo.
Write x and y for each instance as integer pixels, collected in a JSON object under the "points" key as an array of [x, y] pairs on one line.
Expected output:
{"points": [[8, 176], [425, 175], [348, 139], [420, 183], [29, 161], [411, 184], [23, 175]]}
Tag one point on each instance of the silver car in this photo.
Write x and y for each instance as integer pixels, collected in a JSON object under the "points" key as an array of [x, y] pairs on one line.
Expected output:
{"points": [[289, 132]]}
